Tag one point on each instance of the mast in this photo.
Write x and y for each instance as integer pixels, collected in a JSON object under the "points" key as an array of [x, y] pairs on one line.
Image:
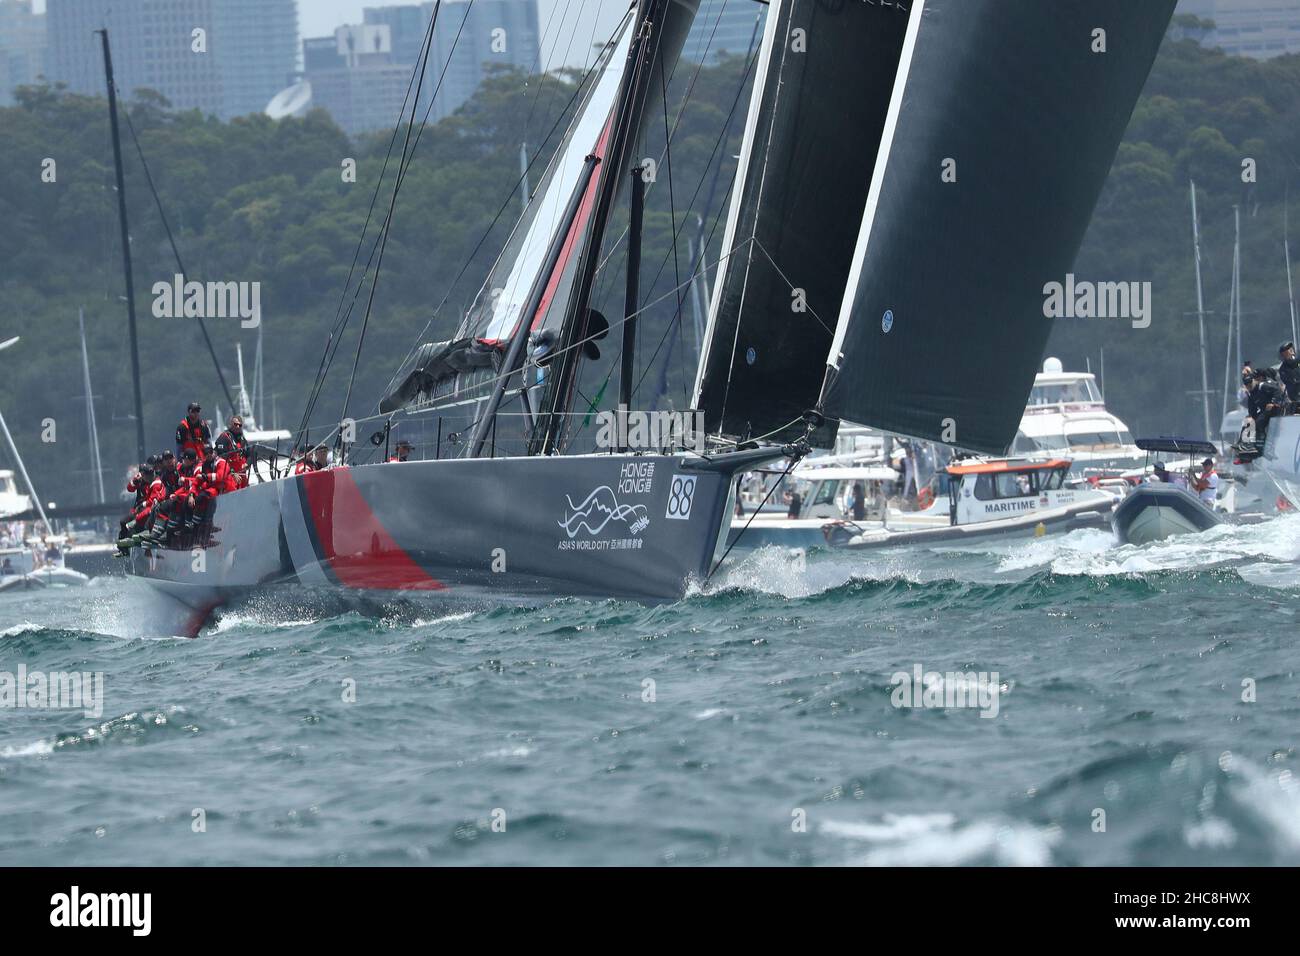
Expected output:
{"points": [[632, 299], [1286, 248], [515, 352], [96, 463], [1200, 316], [650, 29], [258, 405], [523, 178], [1228, 389], [126, 245], [1236, 265], [18, 459]]}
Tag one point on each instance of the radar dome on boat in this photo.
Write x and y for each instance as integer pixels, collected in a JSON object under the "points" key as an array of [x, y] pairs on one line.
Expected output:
{"points": [[293, 101], [1053, 366]]}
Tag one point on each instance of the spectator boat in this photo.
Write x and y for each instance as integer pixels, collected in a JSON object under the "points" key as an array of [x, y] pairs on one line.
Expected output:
{"points": [[1000, 497], [1154, 511]]}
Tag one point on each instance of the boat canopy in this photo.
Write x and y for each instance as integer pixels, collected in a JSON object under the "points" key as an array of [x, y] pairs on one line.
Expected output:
{"points": [[1177, 446], [860, 473], [1007, 464]]}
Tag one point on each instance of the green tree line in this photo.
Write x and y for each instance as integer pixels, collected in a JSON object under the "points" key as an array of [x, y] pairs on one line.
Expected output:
{"points": [[261, 200]]}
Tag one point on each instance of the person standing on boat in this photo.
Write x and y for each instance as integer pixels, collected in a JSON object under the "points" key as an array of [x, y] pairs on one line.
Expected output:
{"points": [[316, 460], [403, 451], [192, 432], [167, 472], [1159, 476], [796, 505], [1207, 483], [1288, 371], [232, 446], [1266, 401], [858, 502]]}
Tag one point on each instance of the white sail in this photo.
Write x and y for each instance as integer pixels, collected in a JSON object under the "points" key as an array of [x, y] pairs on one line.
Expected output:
{"points": [[508, 299]]}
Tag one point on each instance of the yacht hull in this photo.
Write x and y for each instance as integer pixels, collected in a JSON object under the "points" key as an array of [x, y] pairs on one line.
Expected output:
{"points": [[607, 526], [1281, 458]]}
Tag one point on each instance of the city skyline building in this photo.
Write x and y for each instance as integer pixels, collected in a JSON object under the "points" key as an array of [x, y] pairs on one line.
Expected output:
{"points": [[1255, 28], [247, 52], [360, 76], [22, 46]]}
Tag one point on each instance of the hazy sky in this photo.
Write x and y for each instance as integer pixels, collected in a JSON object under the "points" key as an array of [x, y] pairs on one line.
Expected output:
{"points": [[319, 17]]}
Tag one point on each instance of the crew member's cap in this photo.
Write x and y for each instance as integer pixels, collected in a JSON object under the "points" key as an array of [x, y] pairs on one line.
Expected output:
{"points": [[1284, 346], [168, 454], [1259, 375], [1159, 466], [1209, 462], [195, 407]]}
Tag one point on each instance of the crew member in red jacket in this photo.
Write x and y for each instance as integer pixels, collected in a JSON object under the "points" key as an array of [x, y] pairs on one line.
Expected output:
{"points": [[192, 432], [233, 447], [148, 490]]}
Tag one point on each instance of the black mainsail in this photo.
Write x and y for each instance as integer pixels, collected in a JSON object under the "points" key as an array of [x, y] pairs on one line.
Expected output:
{"points": [[960, 147], [1003, 124]]}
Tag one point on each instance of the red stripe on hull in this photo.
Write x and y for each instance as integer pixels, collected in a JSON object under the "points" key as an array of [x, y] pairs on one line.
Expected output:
{"points": [[353, 543]]}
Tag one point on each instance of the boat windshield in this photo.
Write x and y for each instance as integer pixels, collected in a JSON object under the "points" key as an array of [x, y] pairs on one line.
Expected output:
{"points": [[1099, 440], [1081, 391], [1018, 484]]}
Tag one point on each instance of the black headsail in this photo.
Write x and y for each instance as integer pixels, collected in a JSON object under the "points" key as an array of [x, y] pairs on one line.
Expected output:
{"points": [[1003, 123], [816, 117]]}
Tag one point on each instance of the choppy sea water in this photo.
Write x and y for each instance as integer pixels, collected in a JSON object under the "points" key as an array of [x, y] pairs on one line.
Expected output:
{"points": [[753, 723]]}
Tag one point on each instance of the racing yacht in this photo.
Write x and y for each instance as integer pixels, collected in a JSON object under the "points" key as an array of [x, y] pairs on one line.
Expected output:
{"points": [[845, 258]]}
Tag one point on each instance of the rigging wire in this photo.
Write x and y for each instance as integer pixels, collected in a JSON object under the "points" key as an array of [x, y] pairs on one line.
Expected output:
{"points": [[408, 151], [706, 267], [148, 176], [340, 321], [580, 88]]}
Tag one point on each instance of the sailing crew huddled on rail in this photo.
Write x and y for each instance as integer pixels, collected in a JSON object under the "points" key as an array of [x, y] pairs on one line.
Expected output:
{"points": [[175, 492]]}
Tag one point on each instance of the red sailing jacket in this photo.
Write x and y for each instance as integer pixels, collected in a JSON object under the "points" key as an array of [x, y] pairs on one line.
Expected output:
{"points": [[234, 449], [191, 436], [155, 493]]}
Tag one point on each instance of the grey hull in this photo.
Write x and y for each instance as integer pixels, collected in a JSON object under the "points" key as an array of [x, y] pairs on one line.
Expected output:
{"points": [[605, 526]]}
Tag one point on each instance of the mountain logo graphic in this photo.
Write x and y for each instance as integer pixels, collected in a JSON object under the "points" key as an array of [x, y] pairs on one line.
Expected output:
{"points": [[597, 510]]}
